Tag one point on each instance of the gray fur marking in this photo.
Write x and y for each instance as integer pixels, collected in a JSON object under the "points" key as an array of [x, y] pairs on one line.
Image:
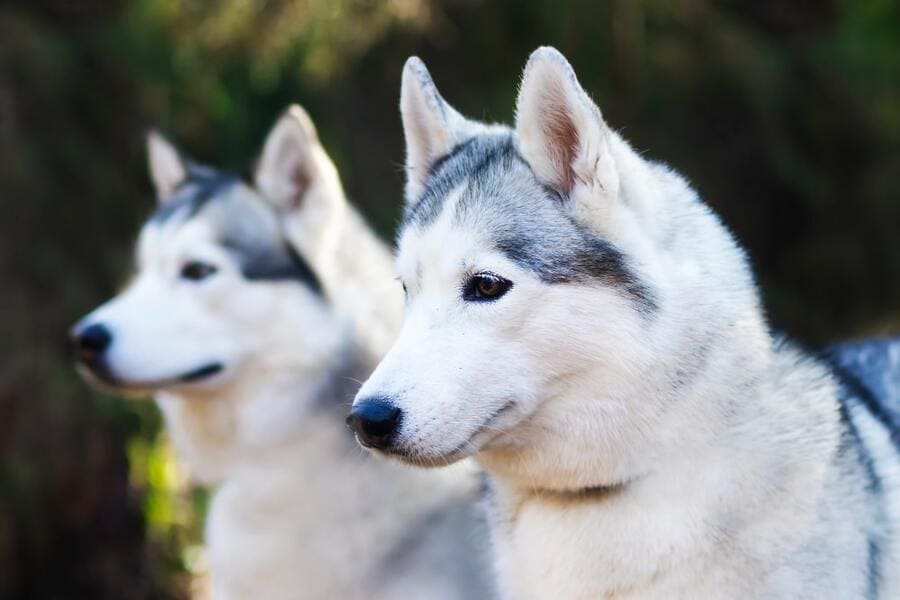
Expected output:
{"points": [[273, 261], [876, 363], [525, 220], [201, 185], [868, 372], [263, 255]]}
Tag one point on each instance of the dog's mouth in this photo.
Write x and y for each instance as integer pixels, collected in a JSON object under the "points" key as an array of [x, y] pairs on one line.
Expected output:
{"points": [[204, 372], [480, 438], [99, 372]]}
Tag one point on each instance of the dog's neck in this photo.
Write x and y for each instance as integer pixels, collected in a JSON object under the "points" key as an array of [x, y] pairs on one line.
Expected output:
{"points": [[699, 491], [627, 433], [356, 270]]}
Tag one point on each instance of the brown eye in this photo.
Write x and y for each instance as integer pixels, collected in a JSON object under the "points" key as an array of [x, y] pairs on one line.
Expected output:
{"points": [[195, 270], [485, 287], [488, 288]]}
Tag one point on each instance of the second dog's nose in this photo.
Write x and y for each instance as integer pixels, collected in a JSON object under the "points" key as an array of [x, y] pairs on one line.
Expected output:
{"points": [[375, 422], [90, 343]]}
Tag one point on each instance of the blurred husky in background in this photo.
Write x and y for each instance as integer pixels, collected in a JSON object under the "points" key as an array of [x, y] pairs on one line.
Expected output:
{"points": [[255, 310], [583, 324]]}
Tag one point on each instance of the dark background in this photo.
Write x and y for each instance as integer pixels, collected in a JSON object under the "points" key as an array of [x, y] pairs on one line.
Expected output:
{"points": [[784, 115]]}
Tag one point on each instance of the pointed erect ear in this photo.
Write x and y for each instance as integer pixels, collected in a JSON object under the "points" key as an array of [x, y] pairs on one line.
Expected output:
{"points": [[167, 167], [560, 131], [431, 126], [288, 167]]}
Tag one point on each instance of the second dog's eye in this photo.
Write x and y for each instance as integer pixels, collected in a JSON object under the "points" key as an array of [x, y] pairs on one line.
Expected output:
{"points": [[195, 270], [484, 287]]}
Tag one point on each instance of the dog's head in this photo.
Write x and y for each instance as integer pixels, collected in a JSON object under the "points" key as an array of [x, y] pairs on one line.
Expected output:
{"points": [[556, 289], [219, 293]]}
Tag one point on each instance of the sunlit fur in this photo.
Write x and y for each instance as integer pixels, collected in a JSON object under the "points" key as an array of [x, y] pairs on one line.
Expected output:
{"points": [[644, 433], [299, 511]]}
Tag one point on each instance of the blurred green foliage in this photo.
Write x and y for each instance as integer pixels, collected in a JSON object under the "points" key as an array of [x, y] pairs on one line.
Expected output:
{"points": [[785, 115]]}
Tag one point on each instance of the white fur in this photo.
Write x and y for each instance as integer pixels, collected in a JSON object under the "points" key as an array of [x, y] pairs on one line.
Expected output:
{"points": [[559, 129], [350, 259], [166, 167], [431, 126], [678, 454], [299, 511], [428, 122]]}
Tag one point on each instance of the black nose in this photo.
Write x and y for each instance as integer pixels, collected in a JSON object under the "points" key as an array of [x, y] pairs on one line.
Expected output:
{"points": [[375, 421], [90, 343]]}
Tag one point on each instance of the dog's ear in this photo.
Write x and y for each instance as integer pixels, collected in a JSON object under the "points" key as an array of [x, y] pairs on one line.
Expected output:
{"points": [[288, 164], [431, 126], [167, 167], [560, 131]]}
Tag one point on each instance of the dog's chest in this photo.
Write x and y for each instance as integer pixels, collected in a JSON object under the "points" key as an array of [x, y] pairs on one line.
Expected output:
{"points": [[574, 549]]}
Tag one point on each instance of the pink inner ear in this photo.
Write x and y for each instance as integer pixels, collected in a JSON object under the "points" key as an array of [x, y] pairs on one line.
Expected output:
{"points": [[562, 138], [300, 181], [292, 168]]}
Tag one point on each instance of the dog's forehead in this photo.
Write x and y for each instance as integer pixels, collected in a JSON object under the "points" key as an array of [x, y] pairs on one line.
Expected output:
{"points": [[436, 227], [213, 207], [485, 185], [440, 246], [476, 163], [240, 218], [230, 214], [201, 186], [481, 194], [505, 206]]}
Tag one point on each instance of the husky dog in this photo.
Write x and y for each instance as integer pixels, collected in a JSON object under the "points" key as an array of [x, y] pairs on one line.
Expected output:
{"points": [[255, 310], [586, 328]]}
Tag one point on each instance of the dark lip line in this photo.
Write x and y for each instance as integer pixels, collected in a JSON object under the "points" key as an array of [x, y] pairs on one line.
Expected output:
{"points": [[456, 453], [106, 378], [203, 372]]}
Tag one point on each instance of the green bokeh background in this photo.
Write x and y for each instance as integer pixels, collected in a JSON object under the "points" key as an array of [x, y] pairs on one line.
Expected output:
{"points": [[785, 115]]}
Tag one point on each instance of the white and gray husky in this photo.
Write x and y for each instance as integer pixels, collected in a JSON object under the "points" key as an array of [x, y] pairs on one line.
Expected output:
{"points": [[255, 310], [581, 323]]}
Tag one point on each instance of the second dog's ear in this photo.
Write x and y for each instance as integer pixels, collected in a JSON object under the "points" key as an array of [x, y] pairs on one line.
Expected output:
{"points": [[431, 126], [167, 167], [288, 165]]}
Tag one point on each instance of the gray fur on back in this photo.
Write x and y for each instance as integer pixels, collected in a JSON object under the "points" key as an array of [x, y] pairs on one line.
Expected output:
{"points": [[876, 363]]}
